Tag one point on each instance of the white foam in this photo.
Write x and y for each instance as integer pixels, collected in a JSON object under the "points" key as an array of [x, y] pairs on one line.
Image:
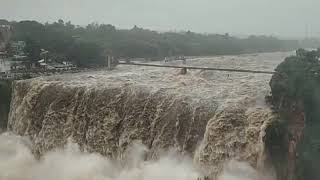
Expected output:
{"points": [[18, 163]]}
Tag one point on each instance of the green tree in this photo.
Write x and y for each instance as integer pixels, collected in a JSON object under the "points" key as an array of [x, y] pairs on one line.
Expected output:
{"points": [[59, 37], [9, 49], [33, 50], [86, 54]]}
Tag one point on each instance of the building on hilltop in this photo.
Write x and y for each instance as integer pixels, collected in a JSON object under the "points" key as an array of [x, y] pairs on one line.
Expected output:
{"points": [[18, 47]]}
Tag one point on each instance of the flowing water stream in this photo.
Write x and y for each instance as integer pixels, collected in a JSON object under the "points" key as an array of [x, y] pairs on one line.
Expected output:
{"points": [[142, 123]]}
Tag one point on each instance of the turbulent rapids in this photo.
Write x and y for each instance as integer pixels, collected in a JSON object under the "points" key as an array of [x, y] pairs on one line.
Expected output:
{"points": [[142, 123]]}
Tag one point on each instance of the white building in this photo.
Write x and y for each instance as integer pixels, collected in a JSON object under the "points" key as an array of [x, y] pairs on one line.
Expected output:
{"points": [[4, 66]]}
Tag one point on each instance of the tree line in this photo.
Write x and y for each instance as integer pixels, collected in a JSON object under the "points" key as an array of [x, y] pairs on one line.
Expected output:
{"points": [[86, 45]]}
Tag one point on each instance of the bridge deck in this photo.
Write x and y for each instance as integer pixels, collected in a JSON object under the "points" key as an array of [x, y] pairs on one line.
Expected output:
{"points": [[199, 68]]}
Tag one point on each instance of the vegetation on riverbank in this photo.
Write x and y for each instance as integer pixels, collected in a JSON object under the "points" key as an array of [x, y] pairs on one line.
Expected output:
{"points": [[88, 45]]}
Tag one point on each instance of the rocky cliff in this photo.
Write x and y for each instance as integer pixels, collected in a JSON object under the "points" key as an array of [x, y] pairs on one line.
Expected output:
{"points": [[214, 117], [295, 96]]}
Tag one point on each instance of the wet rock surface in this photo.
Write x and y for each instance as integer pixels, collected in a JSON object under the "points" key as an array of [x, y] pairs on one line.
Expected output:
{"points": [[295, 96]]}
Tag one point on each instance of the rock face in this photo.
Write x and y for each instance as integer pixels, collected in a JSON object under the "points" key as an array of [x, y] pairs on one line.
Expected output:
{"points": [[295, 96], [212, 116]]}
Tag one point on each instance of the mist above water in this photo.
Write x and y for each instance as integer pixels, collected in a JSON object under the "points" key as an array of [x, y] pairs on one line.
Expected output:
{"points": [[18, 163]]}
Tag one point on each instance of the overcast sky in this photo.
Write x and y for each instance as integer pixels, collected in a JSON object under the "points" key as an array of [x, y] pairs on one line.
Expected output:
{"points": [[271, 17]]}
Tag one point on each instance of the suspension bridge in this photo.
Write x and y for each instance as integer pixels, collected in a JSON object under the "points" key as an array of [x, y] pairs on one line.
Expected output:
{"points": [[197, 68]]}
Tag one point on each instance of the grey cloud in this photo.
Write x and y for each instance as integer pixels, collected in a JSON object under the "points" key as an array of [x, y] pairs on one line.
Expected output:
{"points": [[271, 17]]}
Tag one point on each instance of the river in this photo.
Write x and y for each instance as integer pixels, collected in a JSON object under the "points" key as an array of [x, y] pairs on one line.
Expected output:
{"points": [[102, 125]]}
